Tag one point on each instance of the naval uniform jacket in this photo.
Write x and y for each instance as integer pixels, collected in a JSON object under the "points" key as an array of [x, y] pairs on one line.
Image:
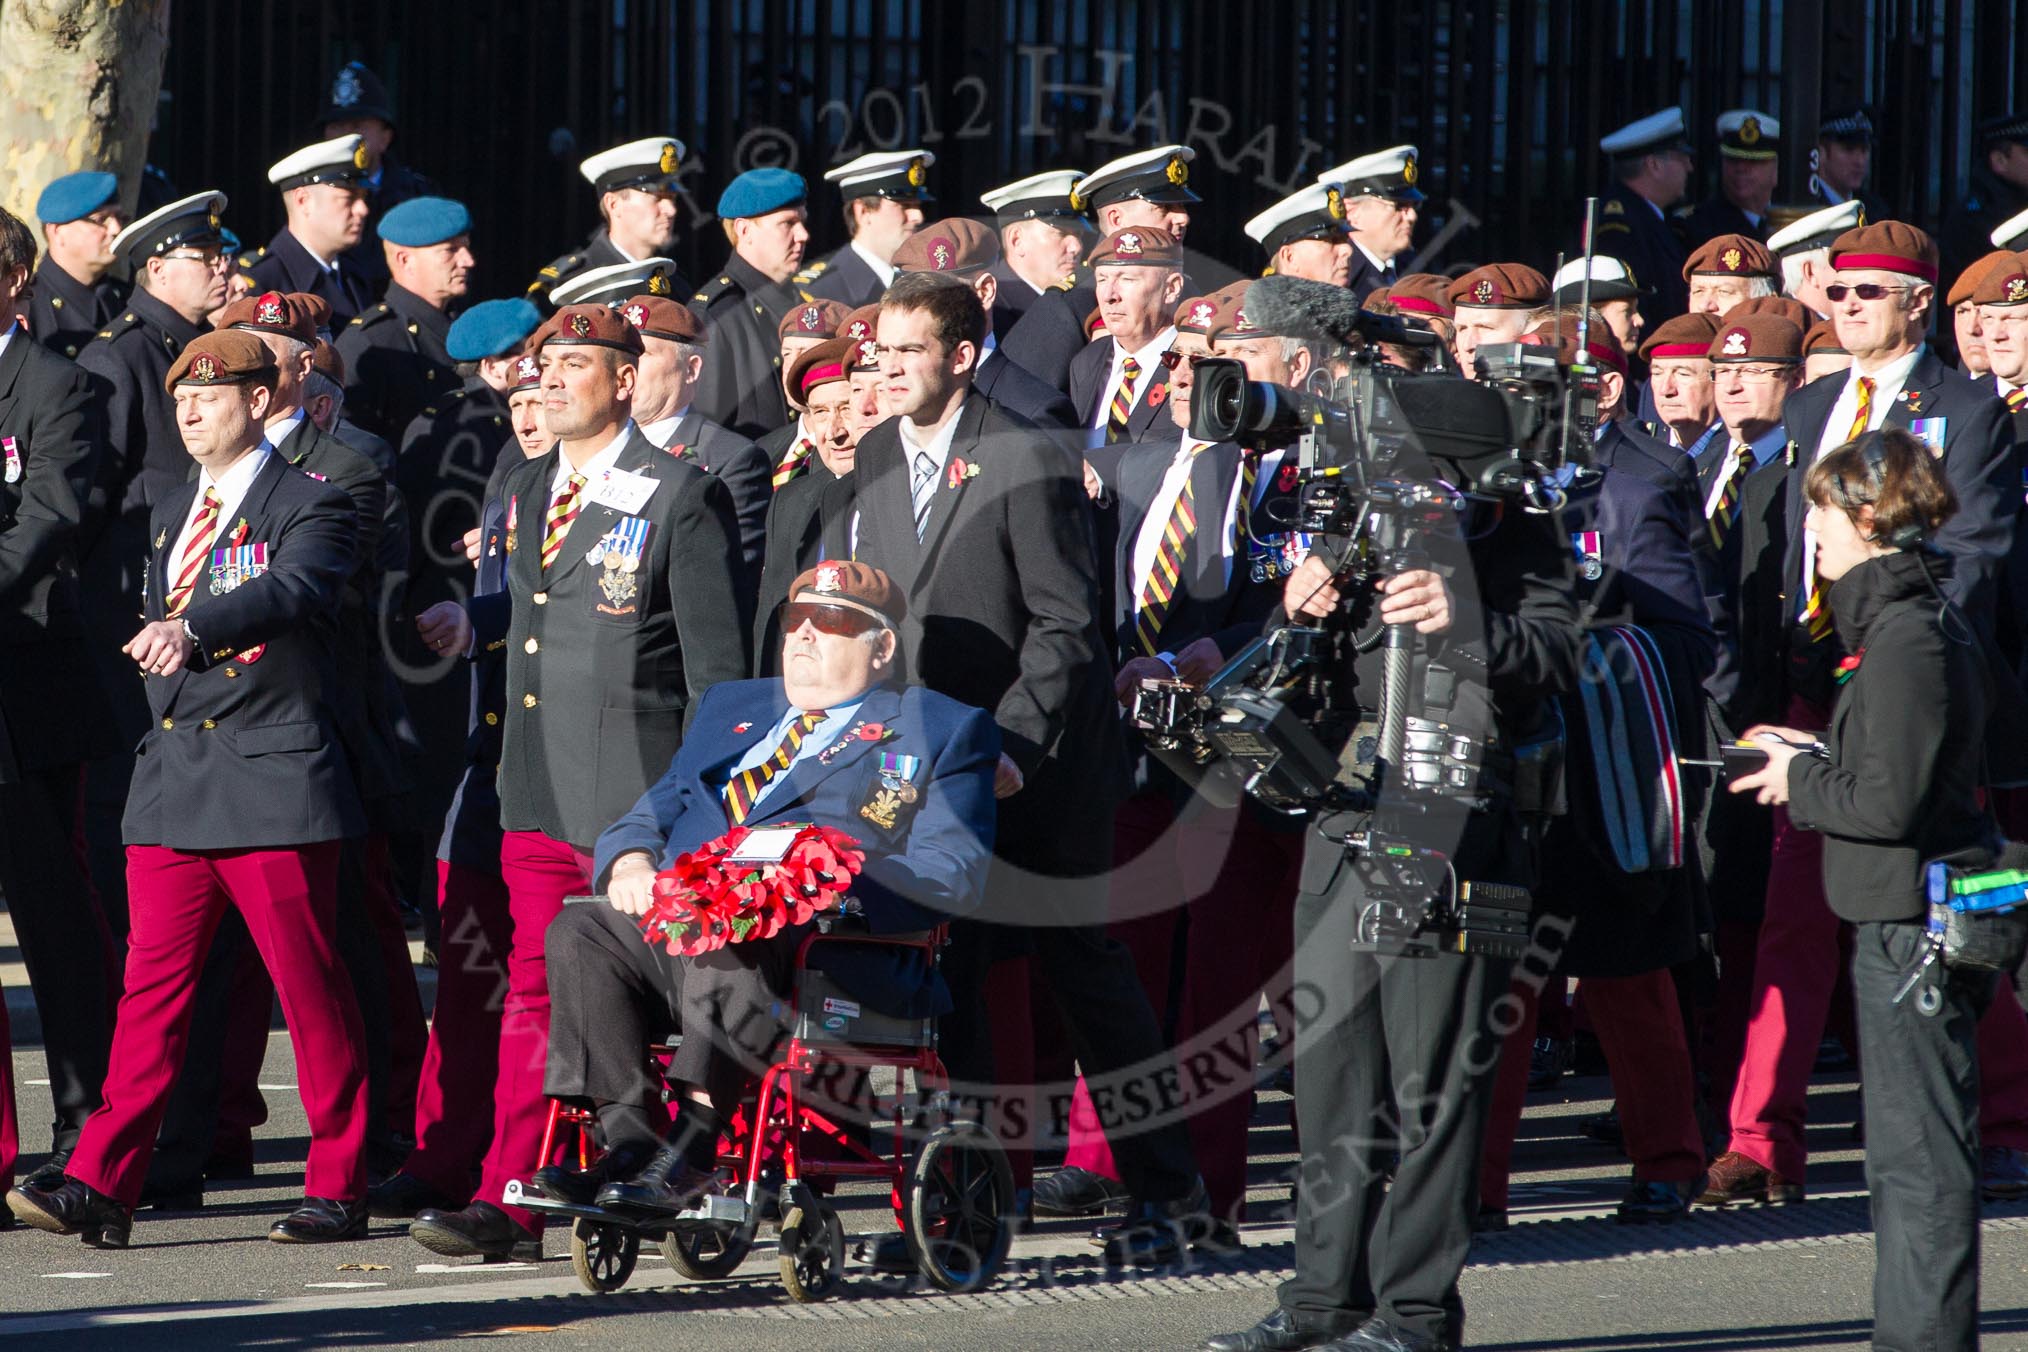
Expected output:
{"points": [[795, 542], [844, 277], [395, 361], [243, 751], [1003, 614], [285, 265], [1052, 332], [604, 665], [64, 313], [49, 437], [741, 311]]}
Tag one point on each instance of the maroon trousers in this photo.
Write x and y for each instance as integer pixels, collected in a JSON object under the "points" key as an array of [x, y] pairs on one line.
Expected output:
{"points": [[1236, 881], [288, 898], [10, 1129], [539, 873], [1639, 1025], [462, 1062]]}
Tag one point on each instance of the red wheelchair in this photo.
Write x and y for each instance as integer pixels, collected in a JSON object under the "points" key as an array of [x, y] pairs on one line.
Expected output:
{"points": [[949, 1182]]}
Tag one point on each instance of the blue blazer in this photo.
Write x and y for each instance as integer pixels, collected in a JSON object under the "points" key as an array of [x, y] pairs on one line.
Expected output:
{"points": [[927, 866]]}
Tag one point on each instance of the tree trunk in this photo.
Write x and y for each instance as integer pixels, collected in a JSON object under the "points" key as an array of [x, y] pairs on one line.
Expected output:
{"points": [[78, 82]]}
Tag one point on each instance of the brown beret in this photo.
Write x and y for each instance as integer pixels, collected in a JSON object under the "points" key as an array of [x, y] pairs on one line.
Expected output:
{"points": [[862, 327], [1966, 287], [587, 326], [1094, 324], [319, 308], [326, 360], [1137, 246], [1230, 322], [1422, 293], [1756, 338], [1683, 336], [1731, 256], [1787, 307], [818, 319], [1380, 300], [1499, 286], [227, 357], [855, 583], [1890, 246], [527, 373], [828, 360], [1560, 332], [1195, 314], [1822, 341], [2005, 283], [955, 245], [271, 312], [662, 317]]}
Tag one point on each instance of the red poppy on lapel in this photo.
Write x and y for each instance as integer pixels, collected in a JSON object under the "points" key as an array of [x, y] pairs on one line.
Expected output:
{"points": [[238, 533], [1913, 398], [1156, 395], [1285, 481], [959, 471]]}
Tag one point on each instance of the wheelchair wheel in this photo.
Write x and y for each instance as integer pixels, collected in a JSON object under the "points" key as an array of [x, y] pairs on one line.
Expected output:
{"points": [[603, 1255], [812, 1251], [959, 1201], [706, 1253]]}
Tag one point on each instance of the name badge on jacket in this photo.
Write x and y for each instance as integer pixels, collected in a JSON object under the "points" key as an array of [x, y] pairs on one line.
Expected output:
{"points": [[617, 557], [237, 564]]}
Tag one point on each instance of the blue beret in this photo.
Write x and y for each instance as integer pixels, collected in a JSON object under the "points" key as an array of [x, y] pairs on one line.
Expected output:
{"points": [[423, 221], [228, 243], [491, 328], [75, 196], [759, 191]]}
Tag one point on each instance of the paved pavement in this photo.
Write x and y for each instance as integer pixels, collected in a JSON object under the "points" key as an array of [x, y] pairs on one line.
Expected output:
{"points": [[1565, 1277]]}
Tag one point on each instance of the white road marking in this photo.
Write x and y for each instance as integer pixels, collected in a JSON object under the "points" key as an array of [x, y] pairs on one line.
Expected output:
{"points": [[76, 1276], [341, 1286], [472, 1269]]}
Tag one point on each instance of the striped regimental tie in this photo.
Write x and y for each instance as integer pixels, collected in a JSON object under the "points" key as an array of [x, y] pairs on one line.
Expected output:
{"points": [[203, 531], [556, 523], [743, 788], [1727, 507], [1158, 593], [1123, 401]]}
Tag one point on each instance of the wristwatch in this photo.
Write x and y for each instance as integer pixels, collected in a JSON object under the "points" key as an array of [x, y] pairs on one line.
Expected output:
{"points": [[191, 634]]}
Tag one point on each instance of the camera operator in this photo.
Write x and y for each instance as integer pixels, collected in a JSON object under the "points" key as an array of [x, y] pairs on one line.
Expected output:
{"points": [[1899, 786], [1401, 1054]]}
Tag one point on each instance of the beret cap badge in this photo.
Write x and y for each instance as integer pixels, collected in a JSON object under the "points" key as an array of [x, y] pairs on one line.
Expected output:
{"points": [[1735, 343], [2017, 288], [1483, 292], [1731, 260], [204, 367], [580, 325]]}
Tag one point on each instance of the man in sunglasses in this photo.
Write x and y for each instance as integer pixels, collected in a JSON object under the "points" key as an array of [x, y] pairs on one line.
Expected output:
{"points": [[1881, 295], [835, 740]]}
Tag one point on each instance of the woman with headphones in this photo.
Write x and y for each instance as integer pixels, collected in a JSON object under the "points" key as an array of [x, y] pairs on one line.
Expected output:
{"points": [[1893, 784]]}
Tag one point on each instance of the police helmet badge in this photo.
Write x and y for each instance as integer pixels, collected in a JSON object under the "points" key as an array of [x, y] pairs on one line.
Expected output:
{"points": [[345, 90]]}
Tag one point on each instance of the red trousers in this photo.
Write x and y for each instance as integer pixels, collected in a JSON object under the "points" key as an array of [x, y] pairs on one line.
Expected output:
{"points": [[462, 1062], [1796, 968], [1236, 881], [1639, 1026], [539, 874], [288, 898]]}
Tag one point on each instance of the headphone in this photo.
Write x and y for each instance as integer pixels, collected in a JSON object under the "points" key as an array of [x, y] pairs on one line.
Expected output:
{"points": [[1872, 448]]}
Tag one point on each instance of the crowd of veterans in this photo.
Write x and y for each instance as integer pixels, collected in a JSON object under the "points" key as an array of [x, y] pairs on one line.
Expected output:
{"points": [[316, 562]]}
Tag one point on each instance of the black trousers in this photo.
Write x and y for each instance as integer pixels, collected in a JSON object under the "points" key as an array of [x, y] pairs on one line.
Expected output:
{"points": [[1921, 1099], [1401, 1054], [63, 936], [611, 995], [1114, 1031]]}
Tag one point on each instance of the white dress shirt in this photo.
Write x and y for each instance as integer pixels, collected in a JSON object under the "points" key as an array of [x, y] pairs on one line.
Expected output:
{"points": [[230, 486], [1148, 541], [1147, 358], [662, 431], [938, 447], [1887, 385], [594, 468]]}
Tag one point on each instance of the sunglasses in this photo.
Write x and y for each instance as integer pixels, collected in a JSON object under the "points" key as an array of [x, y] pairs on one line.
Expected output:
{"points": [[1172, 359], [842, 621], [1837, 291]]}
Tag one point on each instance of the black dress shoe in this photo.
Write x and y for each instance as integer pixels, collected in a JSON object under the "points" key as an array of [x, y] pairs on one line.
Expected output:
{"points": [[1154, 1233], [172, 1195], [1383, 1335], [1490, 1220], [669, 1183], [1071, 1191], [481, 1230], [73, 1208], [403, 1197], [1279, 1332], [579, 1187], [49, 1174], [1656, 1203], [320, 1220]]}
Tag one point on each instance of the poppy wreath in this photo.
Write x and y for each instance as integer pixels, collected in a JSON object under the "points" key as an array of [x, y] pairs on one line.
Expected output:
{"points": [[705, 901]]}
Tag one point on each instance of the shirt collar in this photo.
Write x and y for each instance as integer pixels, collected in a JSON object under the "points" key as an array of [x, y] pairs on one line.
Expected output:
{"points": [[1379, 263], [279, 431], [1769, 444], [1895, 374], [938, 447], [1146, 357], [238, 476], [663, 430], [884, 271], [594, 468]]}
